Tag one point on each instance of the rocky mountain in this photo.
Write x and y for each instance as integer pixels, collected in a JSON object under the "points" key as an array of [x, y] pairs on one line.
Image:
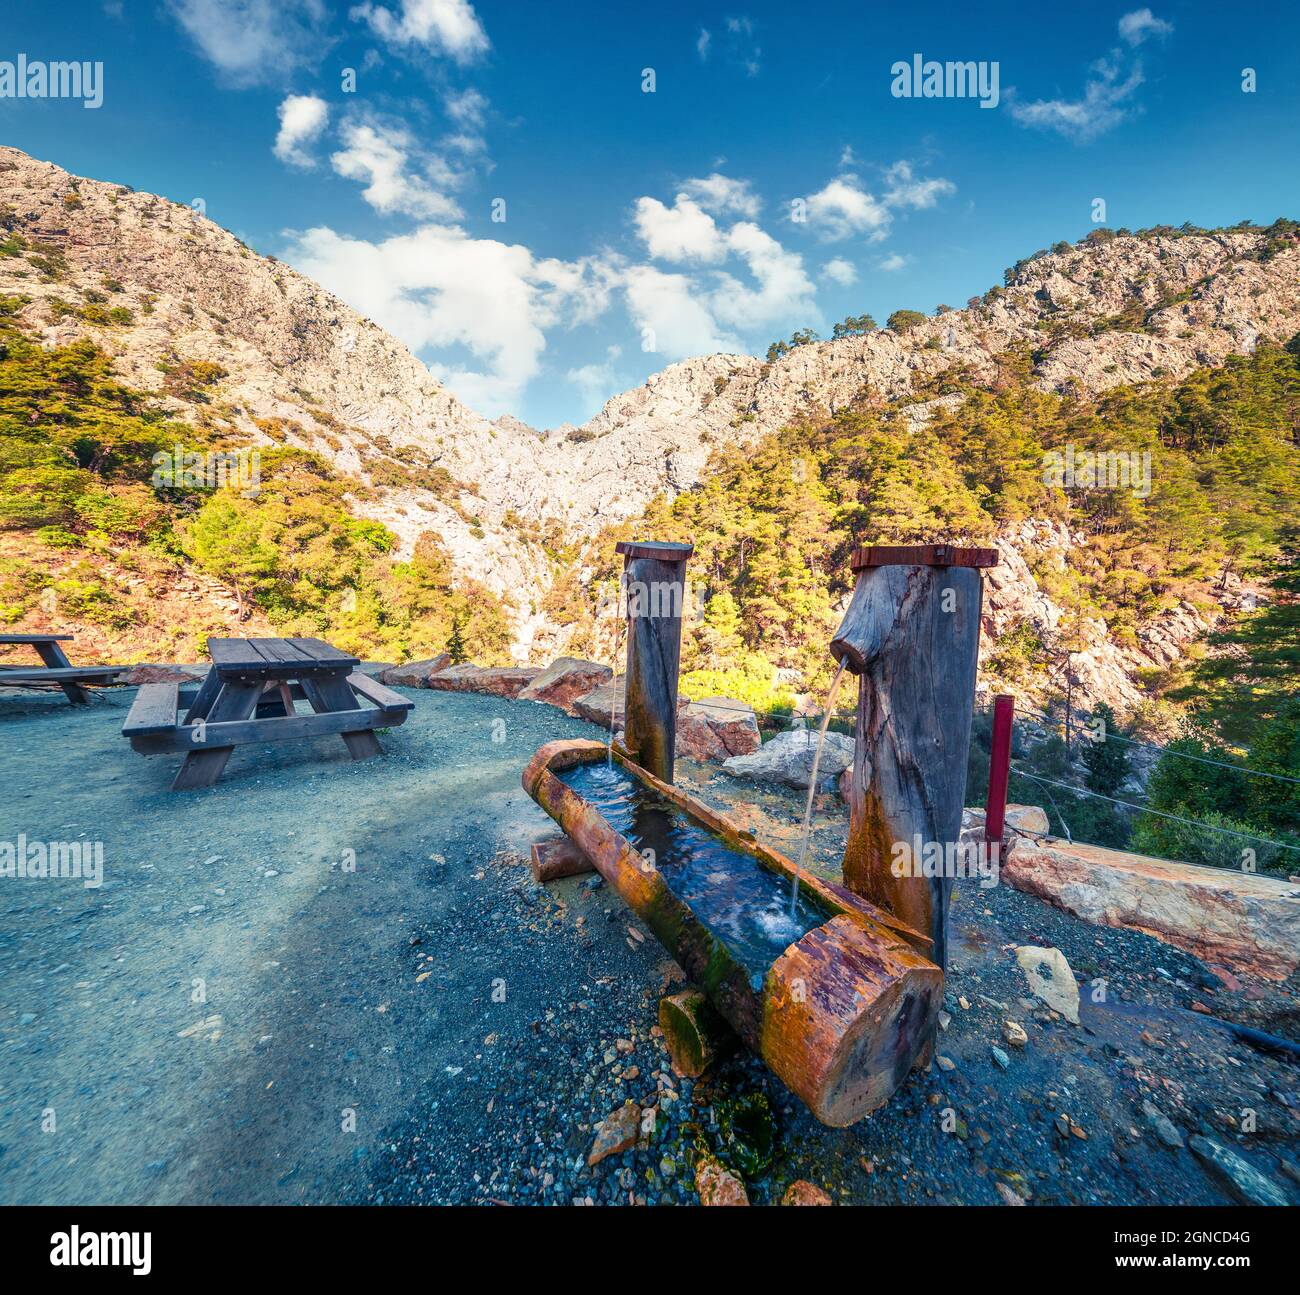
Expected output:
{"points": [[243, 344]]}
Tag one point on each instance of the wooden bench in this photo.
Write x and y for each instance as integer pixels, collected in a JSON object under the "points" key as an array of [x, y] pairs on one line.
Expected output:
{"points": [[57, 669], [249, 695]]}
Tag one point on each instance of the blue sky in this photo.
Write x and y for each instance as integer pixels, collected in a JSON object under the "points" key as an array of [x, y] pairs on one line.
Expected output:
{"points": [[770, 181]]}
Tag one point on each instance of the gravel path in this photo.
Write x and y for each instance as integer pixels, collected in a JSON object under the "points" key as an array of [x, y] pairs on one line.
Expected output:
{"points": [[240, 1014]]}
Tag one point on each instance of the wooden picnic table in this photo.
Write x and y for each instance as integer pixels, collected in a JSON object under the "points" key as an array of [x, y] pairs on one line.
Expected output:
{"points": [[57, 668], [249, 695]]}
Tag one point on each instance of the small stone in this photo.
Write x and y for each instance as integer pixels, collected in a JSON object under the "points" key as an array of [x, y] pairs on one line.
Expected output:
{"points": [[945, 1020], [1014, 1033], [1162, 1125], [964, 1003], [1050, 979], [1001, 1058], [1009, 1197], [945, 1063], [717, 1185], [802, 1192], [617, 1132]]}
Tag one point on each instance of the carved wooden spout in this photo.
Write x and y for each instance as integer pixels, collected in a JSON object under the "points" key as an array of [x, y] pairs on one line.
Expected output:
{"points": [[911, 635]]}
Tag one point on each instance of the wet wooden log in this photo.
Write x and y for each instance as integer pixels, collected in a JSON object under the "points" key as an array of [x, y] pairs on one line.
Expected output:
{"points": [[911, 635], [840, 1014], [695, 1034], [655, 589], [556, 857]]}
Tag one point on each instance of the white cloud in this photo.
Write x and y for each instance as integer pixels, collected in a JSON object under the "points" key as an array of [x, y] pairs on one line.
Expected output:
{"points": [[595, 382], [466, 108], [720, 194], [736, 44], [708, 310], [671, 316], [302, 118], [381, 156], [844, 208], [907, 191], [840, 271], [682, 232], [784, 289], [1135, 27], [1105, 103], [443, 26], [1108, 92], [437, 288], [891, 263], [252, 41]]}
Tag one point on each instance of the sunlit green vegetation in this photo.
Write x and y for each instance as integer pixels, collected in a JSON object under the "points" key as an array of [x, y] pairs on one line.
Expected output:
{"points": [[77, 483]]}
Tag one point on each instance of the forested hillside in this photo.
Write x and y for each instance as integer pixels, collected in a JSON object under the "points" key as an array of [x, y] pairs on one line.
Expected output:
{"points": [[88, 538]]}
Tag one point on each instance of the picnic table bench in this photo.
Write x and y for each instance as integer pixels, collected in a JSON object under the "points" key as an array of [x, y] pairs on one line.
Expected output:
{"points": [[57, 668], [249, 695]]}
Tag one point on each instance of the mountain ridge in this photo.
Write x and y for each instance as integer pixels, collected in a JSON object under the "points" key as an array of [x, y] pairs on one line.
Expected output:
{"points": [[284, 362]]}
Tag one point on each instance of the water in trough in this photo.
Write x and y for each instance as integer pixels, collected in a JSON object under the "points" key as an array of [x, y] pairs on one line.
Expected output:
{"points": [[743, 902]]}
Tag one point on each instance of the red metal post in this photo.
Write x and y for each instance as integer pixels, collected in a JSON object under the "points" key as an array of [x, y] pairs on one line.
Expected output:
{"points": [[995, 811]]}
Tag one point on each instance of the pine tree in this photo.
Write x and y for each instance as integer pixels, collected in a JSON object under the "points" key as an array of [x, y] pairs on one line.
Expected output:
{"points": [[456, 640]]}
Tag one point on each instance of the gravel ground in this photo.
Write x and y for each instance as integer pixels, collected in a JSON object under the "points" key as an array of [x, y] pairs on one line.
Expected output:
{"points": [[326, 981]]}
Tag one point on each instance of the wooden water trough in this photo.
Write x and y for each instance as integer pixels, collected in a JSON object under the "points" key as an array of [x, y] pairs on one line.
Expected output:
{"points": [[848, 1005], [840, 1015]]}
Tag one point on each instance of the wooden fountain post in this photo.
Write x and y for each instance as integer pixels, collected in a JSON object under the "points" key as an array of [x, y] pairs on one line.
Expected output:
{"points": [[911, 635], [655, 588]]}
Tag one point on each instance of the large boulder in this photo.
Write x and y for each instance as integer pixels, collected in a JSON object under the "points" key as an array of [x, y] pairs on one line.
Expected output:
{"points": [[500, 681], [162, 673], [595, 706], [788, 759], [1248, 922], [565, 680], [1018, 818], [716, 728], [1239, 1176], [414, 674]]}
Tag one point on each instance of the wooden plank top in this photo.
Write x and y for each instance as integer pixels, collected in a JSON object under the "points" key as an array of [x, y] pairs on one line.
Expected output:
{"points": [[661, 551], [921, 555], [36, 638], [36, 673], [277, 656]]}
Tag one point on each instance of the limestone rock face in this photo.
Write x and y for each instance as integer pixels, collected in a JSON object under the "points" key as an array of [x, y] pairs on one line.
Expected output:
{"points": [[565, 680], [1248, 922], [788, 759], [500, 681], [414, 674], [716, 728]]}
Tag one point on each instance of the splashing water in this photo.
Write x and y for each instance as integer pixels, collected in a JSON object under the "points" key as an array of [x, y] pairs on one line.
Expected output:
{"points": [[812, 784], [613, 703]]}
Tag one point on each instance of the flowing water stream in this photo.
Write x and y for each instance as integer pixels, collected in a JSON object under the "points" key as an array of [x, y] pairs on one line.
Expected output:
{"points": [[738, 898], [812, 784]]}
